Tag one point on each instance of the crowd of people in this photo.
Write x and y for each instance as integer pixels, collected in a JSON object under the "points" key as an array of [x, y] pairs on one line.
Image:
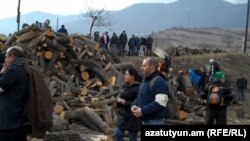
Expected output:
{"points": [[144, 97], [214, 89], [143, 101], [138, 45]]}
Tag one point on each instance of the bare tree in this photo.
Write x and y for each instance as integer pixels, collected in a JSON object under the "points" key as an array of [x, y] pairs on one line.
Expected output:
{"points": [[100, 18], [228, 39]]}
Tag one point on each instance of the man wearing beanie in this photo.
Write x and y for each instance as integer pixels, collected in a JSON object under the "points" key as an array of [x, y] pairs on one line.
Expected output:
{"points": [[218, 97]]}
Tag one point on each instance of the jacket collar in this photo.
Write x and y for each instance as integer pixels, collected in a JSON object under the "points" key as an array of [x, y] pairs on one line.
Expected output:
{"points": [[154, 74], [19, 61]]}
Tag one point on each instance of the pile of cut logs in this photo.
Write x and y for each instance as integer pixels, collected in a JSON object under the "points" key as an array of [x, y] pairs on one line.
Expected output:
{"points": [[83, 79]]}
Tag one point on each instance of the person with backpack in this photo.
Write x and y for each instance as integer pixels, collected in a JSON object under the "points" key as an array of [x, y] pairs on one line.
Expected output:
{"points": [[14, 84], [241, 85], [218, 96], [152, 98], [125, 119]]}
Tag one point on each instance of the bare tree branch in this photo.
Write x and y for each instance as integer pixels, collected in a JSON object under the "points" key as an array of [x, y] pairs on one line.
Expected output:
{"points": [[100, 18]]}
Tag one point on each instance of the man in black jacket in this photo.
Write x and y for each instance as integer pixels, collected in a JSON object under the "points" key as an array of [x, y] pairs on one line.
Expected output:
{"points": [[241, 85], [14, 82]]}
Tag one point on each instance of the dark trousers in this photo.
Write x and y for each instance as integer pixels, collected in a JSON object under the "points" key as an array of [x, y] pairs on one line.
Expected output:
{"points": [[13, 135], [217, 114]]}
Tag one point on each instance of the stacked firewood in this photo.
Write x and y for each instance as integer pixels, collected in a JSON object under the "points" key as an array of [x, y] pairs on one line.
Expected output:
{"points": [[184, 107], [83, 79]]}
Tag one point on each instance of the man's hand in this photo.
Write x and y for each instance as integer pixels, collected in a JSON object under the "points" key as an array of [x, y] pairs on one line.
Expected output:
{"points": [[133, 108], [4, 68], [121, 100], [136, 111]]}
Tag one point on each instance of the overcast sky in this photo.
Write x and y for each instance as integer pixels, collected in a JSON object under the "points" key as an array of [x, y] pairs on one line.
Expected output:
{"points": [[8, 8]]}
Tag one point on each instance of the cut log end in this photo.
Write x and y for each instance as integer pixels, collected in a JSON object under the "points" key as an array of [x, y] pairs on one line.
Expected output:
{"points": [[58, 108], [48, 55], [85, 75]]}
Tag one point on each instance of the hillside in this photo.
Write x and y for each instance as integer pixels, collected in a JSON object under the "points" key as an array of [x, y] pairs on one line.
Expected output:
{"points": [[209, 38], [231, 63]]}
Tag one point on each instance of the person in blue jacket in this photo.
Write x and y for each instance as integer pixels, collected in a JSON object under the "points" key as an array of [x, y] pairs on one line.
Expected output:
{"points": [[63, 30], [152, 99], [195, 79]]}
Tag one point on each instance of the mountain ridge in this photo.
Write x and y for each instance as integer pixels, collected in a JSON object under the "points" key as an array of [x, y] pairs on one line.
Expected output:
{"points": [[148, 17]]}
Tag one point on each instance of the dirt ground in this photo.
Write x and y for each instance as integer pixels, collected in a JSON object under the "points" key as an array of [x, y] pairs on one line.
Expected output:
{"points": [[239, 114]]}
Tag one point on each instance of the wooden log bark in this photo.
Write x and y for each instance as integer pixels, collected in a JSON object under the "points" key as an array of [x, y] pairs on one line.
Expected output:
{"points": [[92, 45], [54, 45], [75, 102], [27, 36], [105, 56], [123, 66], [12, 38], [78, 114], [23, 30], [42, 63], [119, 79], [176, 122], [102, 75], [33, 43], [59, 124], [83, 53], [69, 84], [67, 135], [96, 120], [70, 69], [90, 135], [107, 115], [63, 40], [52, 61]]}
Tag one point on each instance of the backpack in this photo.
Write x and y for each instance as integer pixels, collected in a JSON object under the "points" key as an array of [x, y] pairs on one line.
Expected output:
{"points": [[152, 81], [215, 96], [171, 109]]}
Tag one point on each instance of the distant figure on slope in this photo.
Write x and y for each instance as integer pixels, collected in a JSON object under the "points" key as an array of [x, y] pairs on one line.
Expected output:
{"points": [[63, 30], [241, 85], [214, 67]]}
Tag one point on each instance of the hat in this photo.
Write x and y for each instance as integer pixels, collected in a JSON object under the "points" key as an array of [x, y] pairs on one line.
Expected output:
{"points": [[219, 75], [211, 60]]}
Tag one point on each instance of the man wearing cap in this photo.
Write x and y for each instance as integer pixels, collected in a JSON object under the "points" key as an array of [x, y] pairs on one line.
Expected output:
{"points": [[217, 112], [214, 67]]}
